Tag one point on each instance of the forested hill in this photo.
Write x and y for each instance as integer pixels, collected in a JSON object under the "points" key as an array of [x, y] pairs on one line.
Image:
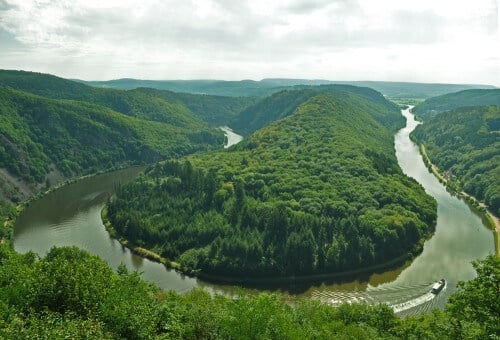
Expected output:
{"points": [[43, 140], [215, 110], [465, 144], [175, 108], [478, 97], [284, 103], [317, 191]]}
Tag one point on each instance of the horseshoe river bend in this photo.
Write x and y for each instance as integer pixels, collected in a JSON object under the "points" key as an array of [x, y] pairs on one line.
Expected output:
{"points": [[71, 215]]}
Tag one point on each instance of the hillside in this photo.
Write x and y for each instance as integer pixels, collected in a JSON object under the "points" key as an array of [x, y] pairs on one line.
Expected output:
{"points": [[317, 191], [416, 90], [479, 97], [269, 109], [266, 87], [43, 140], [179, 109], [465, 144], [284, 103], [215, 110]]}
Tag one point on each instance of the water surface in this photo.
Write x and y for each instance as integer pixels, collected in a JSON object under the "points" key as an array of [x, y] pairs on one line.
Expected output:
{"points": [[71, 216]]}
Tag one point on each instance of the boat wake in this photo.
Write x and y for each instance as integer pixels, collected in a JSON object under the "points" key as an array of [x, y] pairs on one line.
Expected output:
{"points": [[400, 307], [401, 299]]}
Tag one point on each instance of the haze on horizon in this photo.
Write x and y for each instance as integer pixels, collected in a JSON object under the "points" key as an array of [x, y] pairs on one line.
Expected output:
{"points": [[441, 41]]}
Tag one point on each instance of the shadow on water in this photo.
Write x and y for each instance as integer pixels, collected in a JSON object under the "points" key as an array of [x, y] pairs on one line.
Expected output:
{"points": [[306, 286], [71, 216]]}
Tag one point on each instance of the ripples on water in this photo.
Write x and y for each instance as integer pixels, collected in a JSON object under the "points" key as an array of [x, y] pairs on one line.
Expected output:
{"points": [[404, 300], [72, 216]]}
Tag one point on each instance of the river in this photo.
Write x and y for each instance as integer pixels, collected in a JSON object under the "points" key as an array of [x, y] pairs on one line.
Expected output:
{"points": [[71, 216], [232, 137]]}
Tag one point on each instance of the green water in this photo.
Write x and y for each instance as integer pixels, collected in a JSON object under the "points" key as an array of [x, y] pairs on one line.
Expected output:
{"points": [[71, 216]]}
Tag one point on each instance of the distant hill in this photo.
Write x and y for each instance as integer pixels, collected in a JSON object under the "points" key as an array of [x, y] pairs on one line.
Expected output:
{"points": [[465, 144], [284, 103], [266, 87], [317, 190], [215, 110], [164, 106], [479, 97], [416, 90]]}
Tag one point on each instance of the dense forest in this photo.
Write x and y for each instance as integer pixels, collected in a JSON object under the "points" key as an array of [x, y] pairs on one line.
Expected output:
{"points": [[436, 105], [215, 110], [465, 145], [317, 191], [41, 135], [315, 188], [180, 109], [71, 294], [53, 129], [284, 103]]}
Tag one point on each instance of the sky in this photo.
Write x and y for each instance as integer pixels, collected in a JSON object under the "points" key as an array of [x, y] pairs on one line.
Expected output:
{"points": [[444, 41]]}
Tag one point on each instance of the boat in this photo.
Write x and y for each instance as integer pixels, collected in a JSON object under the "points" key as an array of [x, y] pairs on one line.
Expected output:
{"points": [[438, 286]]}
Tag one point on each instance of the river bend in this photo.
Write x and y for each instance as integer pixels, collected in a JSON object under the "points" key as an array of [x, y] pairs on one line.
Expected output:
{"points": [[71, 216]]}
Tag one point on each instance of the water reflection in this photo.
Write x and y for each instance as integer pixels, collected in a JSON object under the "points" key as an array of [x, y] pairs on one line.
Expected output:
{"points": [[71, 216]]}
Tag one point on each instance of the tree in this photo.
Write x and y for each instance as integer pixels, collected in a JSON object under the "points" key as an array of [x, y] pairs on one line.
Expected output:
{"points": [[300, 252], [476, 306]]}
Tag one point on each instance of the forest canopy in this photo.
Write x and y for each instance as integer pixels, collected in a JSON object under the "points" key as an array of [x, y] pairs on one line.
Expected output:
{"points": [[72, 294], [317, 191], [40, 135], [465, 145]]}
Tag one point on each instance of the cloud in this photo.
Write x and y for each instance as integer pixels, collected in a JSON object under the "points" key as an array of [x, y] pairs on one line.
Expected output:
{"points": [[251, 39], [308, 6], [4, 5], [8, 41]]}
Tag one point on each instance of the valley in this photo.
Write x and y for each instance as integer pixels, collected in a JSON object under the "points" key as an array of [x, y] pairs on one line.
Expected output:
{"points": [[293, 169], [448, 253], [319, 201]]}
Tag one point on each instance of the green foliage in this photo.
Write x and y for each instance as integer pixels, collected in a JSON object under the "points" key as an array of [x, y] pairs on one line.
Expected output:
{"points": [[317, 191], [272, 108], [477, 304], [40, 135], [71, 289], [131, 103], [97, 303], [284, 103], [215, 110], [476, 97], [465, 145], [178, 109]]}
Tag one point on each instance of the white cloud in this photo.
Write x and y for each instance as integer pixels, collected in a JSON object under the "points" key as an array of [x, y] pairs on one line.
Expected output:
{"points": [[428, 40]]}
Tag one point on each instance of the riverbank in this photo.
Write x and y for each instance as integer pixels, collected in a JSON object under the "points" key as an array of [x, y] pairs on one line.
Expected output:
{"points": [[309, 279], [8, 225], [139, 251], [491, 219], [72, 216], [250, 281]]}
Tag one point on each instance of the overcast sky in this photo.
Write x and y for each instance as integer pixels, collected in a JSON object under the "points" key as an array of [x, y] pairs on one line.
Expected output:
{"points": [[456, 41]]}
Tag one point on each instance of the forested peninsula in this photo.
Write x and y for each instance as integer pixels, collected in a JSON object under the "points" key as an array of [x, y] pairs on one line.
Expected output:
{"points": [[318, 191]]}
